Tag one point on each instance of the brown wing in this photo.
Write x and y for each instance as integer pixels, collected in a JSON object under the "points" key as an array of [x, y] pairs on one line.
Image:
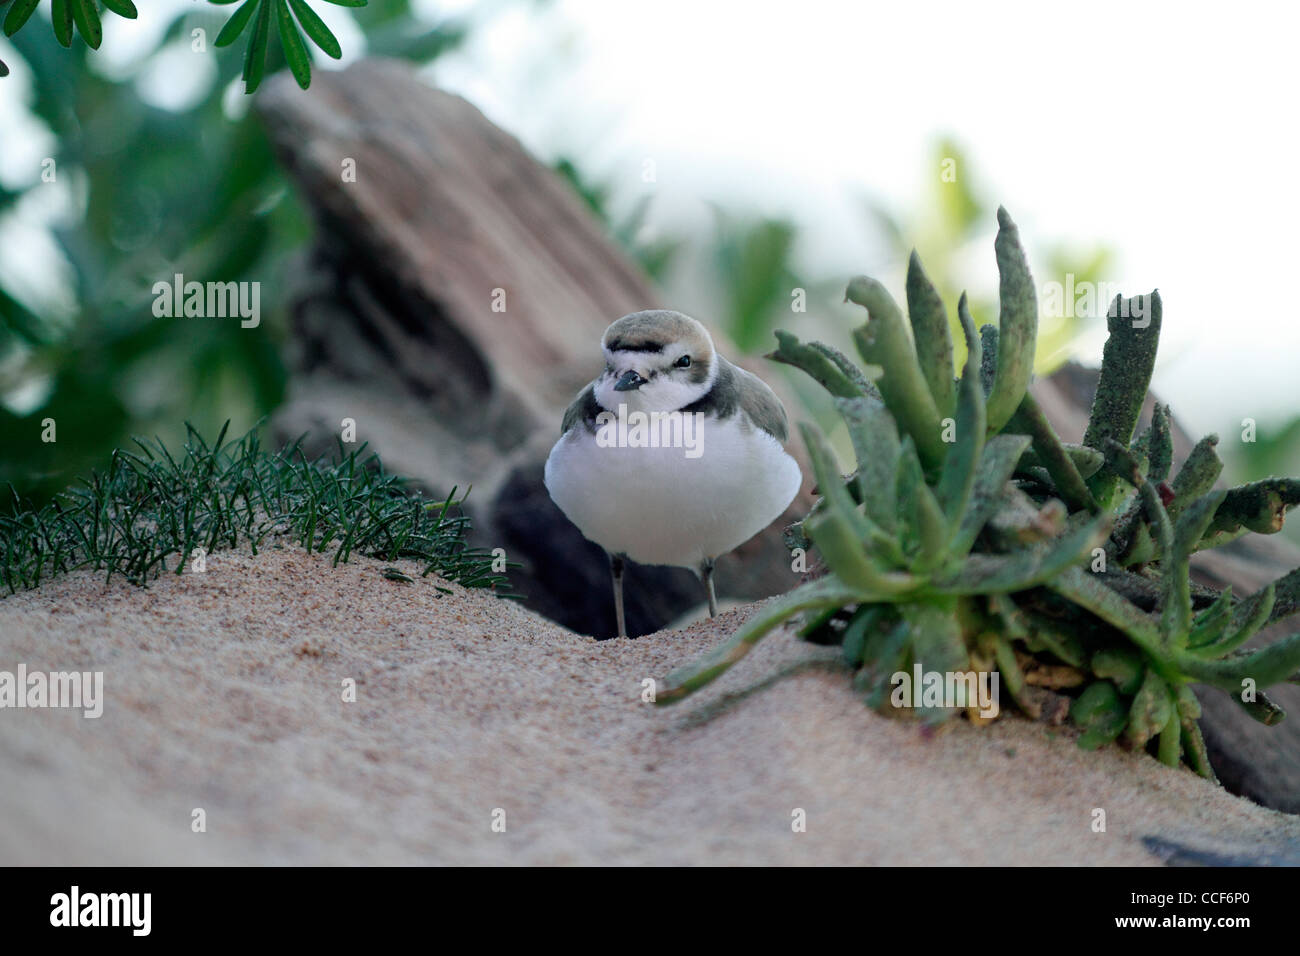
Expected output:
{"points": [[762, 406], [584, 409]]}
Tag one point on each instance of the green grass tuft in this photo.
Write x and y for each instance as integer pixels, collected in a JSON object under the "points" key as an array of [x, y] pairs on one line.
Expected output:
{"points": [[152, 508]]}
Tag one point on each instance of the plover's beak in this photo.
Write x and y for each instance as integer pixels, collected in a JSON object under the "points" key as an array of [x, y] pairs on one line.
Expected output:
{"points": [[630, 380]]}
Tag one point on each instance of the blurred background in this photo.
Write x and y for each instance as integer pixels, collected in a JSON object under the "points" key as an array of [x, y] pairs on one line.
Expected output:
{"points": [[737, 151]]}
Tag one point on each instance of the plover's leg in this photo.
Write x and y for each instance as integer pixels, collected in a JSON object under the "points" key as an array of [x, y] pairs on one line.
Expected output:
{"points": [[706, 572], [616, 570]]}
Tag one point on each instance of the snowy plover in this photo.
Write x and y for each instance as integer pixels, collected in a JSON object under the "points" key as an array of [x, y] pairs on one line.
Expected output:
{"points": [[673, 455]]}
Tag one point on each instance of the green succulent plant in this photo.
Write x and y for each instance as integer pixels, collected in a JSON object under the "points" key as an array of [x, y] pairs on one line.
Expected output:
{"points": [[972, 538]]}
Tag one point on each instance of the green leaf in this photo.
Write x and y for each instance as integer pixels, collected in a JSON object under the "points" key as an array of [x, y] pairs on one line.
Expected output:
{"points": [[1266, 667], [1288, 596], [1017, 325], [817, 364], [1151, 710], [959, 469], [1160, 451], [937, 645], [876, 446], [1101, 714], [997, 463], [86, 16], [989, 350], [829, 481], [1262, 708], [255, 55], [1059, 462], [235, 25], [1212, 622], [1176, 620], [1088, 592], [924, 531], [885, 655], [856, 375], [348, 3], [1020, 570], [1127, 361], [1120, 665], [1197, 476], [884, 341], [126, 8], [1260, 506], [930, 332], [824, 592], [295, 51], [315, 28], [1247, 619], [1170, 748], [866, 621], [61, 14], [18, 14], [845, 555], [1193, 742]]}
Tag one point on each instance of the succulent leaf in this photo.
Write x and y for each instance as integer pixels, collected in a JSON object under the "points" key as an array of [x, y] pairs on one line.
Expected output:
{"points": [[876, 445], [1266, 667], [790, 351], [824, 592], [958, 478], [1127, 361], [1051, 452], [1176, 620], [1122, 666], [1211, 623], [884, 340], [997, 462], [937, 644], [1151, 709], [1101, 714], [1247, 619], [1197, 476], [1002, 574], [930, 333], [1260, 506], [1017, 325]]}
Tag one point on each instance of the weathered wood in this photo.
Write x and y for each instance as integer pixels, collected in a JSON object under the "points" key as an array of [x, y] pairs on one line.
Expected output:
{"points": [[394, 325]]}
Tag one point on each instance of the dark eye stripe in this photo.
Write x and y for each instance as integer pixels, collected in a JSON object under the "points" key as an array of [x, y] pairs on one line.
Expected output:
{"points": [[630, 345]]}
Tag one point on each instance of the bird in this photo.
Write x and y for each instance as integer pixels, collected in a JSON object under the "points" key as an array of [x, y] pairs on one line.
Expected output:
{"points": [[707, 471]]}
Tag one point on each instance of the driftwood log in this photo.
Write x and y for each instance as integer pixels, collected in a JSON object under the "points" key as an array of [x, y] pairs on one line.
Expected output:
{"points": [[451, 306]]}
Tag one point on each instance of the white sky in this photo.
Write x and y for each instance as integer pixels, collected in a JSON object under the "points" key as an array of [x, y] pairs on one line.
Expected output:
{"points": [[1164, 130], [1167, 133]]}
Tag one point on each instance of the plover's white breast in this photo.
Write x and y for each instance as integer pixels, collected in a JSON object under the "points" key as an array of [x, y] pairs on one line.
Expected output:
{"points": [[659, 506]]}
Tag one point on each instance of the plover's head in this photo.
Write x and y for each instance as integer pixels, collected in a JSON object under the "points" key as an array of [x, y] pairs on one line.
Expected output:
{"points": [[656, 361]]}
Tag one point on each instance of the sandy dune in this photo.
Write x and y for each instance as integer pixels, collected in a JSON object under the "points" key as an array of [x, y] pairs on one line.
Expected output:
{"points": [[224, 692]]}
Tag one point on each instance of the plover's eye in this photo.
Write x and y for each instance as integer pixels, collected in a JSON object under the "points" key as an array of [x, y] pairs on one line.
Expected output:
{"points": [[683, 362]]}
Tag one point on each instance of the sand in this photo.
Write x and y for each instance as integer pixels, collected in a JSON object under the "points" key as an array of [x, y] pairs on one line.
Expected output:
{"points": [[224, 692]]}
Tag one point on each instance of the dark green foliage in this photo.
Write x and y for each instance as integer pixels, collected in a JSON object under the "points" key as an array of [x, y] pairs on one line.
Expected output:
{"points": [[149, 510], [186, 191], [292, 18], [979, 539]]}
